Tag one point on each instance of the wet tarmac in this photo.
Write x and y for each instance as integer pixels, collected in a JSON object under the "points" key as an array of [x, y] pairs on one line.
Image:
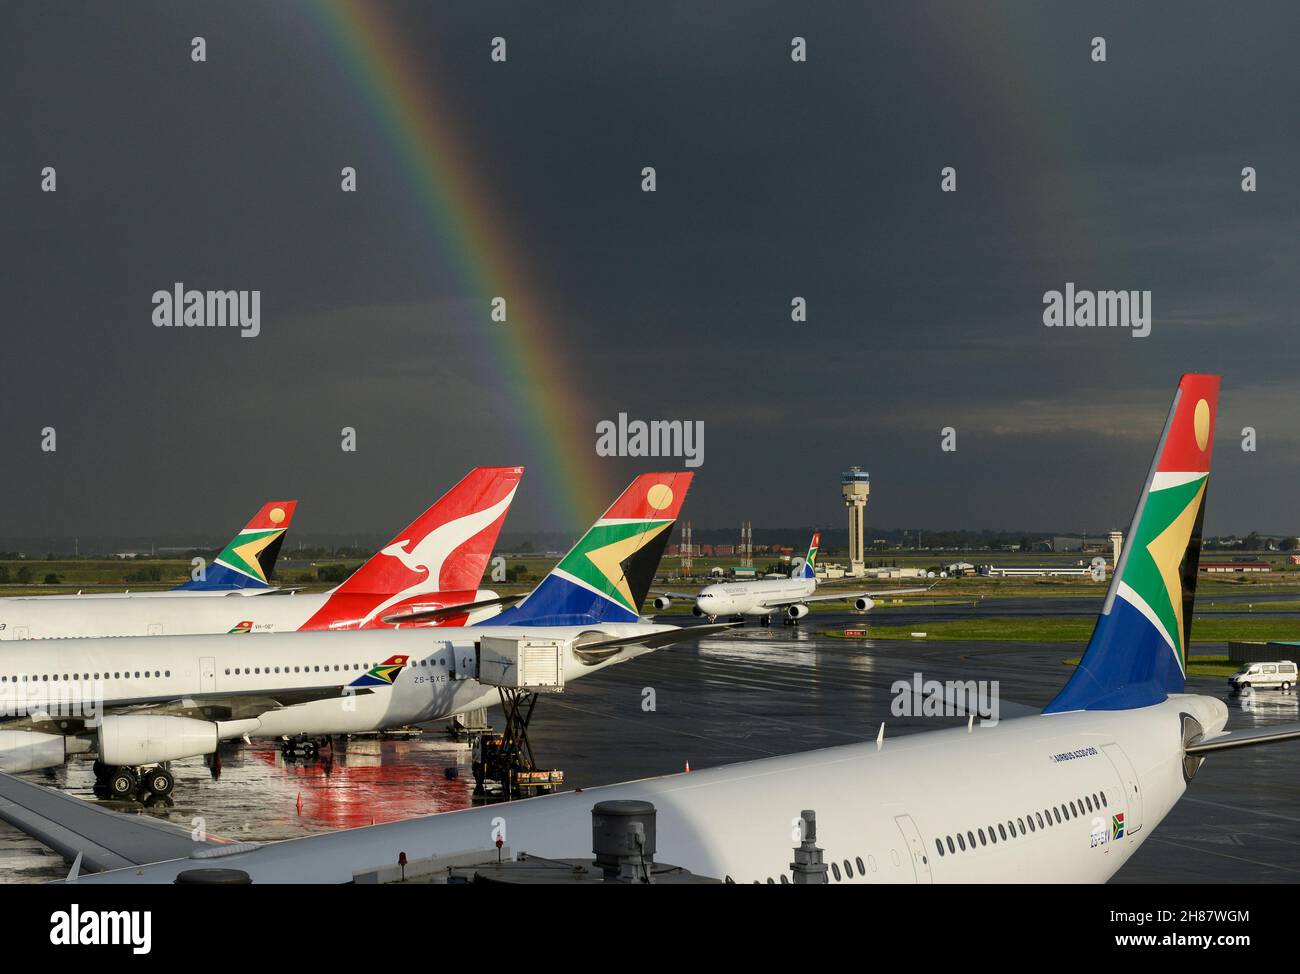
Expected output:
{"points": [[750, 694]]}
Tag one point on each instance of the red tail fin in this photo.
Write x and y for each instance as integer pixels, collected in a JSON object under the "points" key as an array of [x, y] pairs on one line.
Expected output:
{"points": [[446, 549]]}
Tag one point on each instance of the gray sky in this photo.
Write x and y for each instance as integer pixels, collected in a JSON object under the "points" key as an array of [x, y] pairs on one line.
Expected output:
{"points": [[775, 179]]}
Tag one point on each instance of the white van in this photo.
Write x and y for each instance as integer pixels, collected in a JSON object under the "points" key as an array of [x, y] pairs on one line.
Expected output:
{"points": [[1264, 676]]}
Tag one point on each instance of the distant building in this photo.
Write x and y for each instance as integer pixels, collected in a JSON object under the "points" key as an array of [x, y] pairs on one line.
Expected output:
{"points": [[1235, 567], [724, 550]]}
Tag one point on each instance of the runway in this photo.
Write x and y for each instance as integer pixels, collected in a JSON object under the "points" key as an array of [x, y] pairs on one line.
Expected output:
{"points": [[750, 694]]}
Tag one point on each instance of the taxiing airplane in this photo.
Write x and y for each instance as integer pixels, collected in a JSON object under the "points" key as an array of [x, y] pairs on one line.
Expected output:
{"points": [[143, 702], [1068, 795], [763, 597], [428, 575]]}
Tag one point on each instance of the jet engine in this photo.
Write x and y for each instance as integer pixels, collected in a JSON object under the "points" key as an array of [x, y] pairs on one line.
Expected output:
{"points": [[696, 611], [863, 604], [139, 739], [31, 750], [662, 602], [797, 611]]}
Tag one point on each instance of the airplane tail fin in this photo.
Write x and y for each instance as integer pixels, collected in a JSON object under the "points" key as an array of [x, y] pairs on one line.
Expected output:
{"points": [[249, 560], [445, 549], [1138, 651], [607, 575], [809, 567]]}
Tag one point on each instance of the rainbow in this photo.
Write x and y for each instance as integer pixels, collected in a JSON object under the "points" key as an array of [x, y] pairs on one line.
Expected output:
{"points": [[407, 106]]}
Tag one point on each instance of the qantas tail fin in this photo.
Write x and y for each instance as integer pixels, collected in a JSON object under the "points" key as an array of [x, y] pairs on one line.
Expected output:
{"points": [[249, 560], [445, 549], [607, 575], [809, 567], [1138, 651]]}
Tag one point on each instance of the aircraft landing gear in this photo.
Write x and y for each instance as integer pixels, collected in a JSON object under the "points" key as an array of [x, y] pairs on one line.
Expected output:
{"points": [[765, 621], [122, 783]]}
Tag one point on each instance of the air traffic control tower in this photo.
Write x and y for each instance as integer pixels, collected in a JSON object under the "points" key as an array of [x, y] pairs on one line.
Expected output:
{"points": [[855, 485]]}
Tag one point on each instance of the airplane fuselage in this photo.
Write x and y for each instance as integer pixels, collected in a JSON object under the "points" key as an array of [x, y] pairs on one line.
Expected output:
{"points": [[751, 598], [240, 679], [1102, 779], [65, 618]]}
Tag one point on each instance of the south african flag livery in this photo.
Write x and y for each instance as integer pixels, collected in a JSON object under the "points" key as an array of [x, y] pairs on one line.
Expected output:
{"points": [[382, 675], [607, 575], [249, 559], [1138, 651]]}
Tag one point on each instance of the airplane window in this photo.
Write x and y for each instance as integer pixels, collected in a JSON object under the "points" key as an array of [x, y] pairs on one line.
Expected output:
{"points": [[835, 868], [277, 669], [950, 845], [784, 880], [961, 842], [1103, 800], [970, 838], [938, 844], [848, 869], [771, 881], [45, 678], [1088, 801], [1002, 831], [983, 841], [1031, 822], [227, 672], [862, 869], [993, 836], [1073, 811], [1058, 814]]}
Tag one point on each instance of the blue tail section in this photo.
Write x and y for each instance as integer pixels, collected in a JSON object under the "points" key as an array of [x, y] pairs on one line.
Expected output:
{"points": [[809, 567], [248, 561], [607, 575], [1138, 652]]}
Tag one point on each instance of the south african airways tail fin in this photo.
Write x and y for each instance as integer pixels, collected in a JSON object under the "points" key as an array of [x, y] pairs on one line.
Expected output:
{"points": [[1138, 652], [248, 562], [607, 575]]}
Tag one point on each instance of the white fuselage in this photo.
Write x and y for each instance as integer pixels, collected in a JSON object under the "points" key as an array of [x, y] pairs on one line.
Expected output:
{"points": [[87, 678], [885, 812], [752, 598], [44, 617]]}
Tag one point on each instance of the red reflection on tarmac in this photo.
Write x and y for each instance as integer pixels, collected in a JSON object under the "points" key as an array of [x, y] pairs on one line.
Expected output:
{"points": [[364, 782]]}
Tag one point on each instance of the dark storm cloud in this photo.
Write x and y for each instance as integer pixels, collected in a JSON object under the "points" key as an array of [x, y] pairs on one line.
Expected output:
{"points": [[775, 179]]}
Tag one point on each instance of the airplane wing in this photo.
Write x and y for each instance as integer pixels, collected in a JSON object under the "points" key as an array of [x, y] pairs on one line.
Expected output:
{"points": [[840, 597], [99, 838], [678, 595], [216, 706], [1230, 740], [428, 615], [601, 650]]}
